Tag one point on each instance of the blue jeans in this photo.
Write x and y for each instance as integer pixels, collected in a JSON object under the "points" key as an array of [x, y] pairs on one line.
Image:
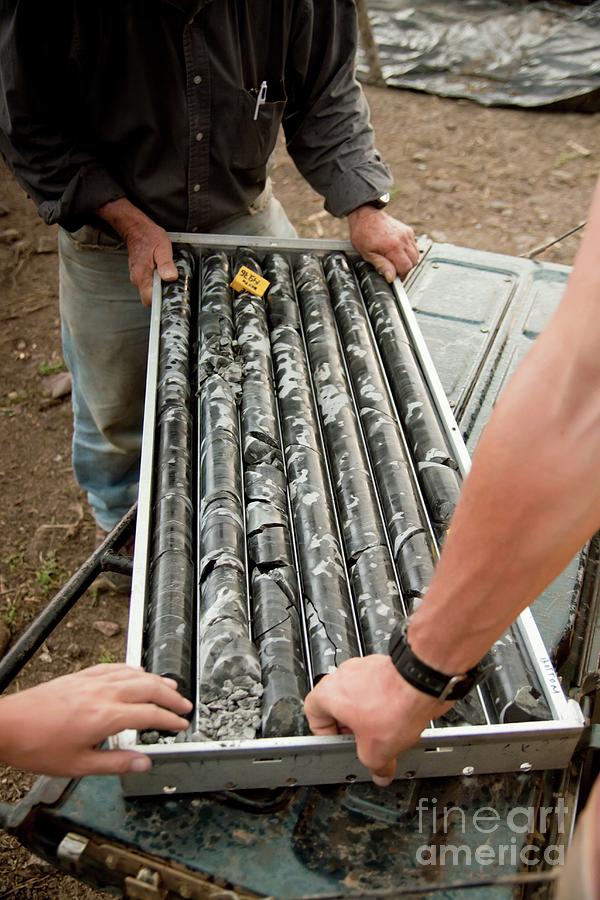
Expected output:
{"points": [[105, 338]]}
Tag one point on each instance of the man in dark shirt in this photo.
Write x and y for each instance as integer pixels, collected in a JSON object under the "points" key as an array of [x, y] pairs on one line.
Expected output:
{"points": [[127, 118]]}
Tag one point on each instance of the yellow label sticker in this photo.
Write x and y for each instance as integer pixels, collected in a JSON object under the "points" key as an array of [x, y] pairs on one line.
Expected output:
{"points": [[247, 280]]}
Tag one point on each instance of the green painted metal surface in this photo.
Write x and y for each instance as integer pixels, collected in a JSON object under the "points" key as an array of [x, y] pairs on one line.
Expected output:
{"points": [[323, 841]]}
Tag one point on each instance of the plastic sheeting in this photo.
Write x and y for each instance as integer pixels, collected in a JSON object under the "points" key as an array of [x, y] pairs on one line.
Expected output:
{"points": [[498, 52]]}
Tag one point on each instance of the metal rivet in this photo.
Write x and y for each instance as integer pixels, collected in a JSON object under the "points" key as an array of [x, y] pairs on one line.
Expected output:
{"points": [[350, 778], [410, 774], [292, 781], [468, 770], [525, 767], [169, 789], [230, 786]]}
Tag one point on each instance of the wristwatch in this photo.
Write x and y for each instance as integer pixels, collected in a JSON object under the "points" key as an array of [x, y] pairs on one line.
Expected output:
{"points": [[428, 680], [379, 202]]}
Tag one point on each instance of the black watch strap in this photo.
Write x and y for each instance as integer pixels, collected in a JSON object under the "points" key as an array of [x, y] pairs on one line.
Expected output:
{"points": [[428, 680]]}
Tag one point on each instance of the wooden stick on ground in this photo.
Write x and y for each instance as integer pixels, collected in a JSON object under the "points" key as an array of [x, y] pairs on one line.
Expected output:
{"points": [[369, 45]]}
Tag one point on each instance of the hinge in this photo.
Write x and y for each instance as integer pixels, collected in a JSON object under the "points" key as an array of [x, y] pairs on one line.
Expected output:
{"points": [[155, 879], [70, 849], [145, 886], [590, 739]]}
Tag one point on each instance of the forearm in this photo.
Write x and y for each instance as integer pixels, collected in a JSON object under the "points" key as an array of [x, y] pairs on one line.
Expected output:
{"points": [[124, 218], [533, 495], [148, 244]]}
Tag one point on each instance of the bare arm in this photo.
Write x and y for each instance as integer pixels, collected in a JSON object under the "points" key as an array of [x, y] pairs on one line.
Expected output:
{"points": [[531, 500]]}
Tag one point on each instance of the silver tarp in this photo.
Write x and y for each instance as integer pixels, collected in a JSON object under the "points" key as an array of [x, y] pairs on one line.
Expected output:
{"points": [[498, 52]]}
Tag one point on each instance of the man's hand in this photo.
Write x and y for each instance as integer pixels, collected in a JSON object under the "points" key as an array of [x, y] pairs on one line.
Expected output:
{"points": [[148, 245], [369, 698], [383, 241], [54, 728]]}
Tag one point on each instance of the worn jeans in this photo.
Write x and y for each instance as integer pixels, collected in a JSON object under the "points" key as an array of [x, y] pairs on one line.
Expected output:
{"points": [[105, 338]]}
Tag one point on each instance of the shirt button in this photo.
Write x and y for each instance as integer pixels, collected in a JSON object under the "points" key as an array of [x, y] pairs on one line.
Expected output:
{"points": [[196, 188], [199, 136], [197, 79]]}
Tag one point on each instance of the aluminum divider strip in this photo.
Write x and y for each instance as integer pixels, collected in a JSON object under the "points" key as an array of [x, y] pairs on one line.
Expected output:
{"points": [[240, 241], [139, 583], [244, 521], [139, 586], [432, 379], [560, 706], [198, 476]]}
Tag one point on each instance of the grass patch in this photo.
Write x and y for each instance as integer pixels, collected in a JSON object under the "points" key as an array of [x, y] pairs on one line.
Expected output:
{"points": [[9, 614], [48, 574], [15, 562], [51, 367]]}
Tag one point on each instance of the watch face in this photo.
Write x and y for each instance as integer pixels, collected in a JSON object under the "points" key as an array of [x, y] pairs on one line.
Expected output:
{"points": [[381, 202]]}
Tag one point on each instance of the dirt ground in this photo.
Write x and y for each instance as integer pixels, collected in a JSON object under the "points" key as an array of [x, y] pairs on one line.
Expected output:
{"points": [[500, 180]]}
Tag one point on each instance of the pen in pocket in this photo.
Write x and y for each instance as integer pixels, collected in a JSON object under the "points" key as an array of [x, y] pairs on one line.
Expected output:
{"points": [[261, 98]]}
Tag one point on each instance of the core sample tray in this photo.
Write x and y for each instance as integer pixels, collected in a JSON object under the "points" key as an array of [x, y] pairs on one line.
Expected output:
{"points": [[300, 467]]}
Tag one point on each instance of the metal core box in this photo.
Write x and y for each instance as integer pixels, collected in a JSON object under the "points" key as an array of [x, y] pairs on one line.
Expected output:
{"points": [[300, 466]]}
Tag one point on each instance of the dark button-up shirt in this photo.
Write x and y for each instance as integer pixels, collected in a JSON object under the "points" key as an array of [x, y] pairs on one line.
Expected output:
{"points": [[156, 100]]}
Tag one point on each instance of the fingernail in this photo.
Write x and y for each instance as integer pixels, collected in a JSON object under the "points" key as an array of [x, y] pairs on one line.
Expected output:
{"points": [[381, 781], [170, 272], [171, 682], [140, 764]]}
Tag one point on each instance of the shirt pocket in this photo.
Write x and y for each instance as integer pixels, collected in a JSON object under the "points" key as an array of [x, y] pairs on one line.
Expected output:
{"points": [[255, 138]]}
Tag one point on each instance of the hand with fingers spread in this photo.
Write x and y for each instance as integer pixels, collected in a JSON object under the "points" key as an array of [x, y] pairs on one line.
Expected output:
{"points": [[56, 727], [369, 698], [383, 241], [148, 245]]}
